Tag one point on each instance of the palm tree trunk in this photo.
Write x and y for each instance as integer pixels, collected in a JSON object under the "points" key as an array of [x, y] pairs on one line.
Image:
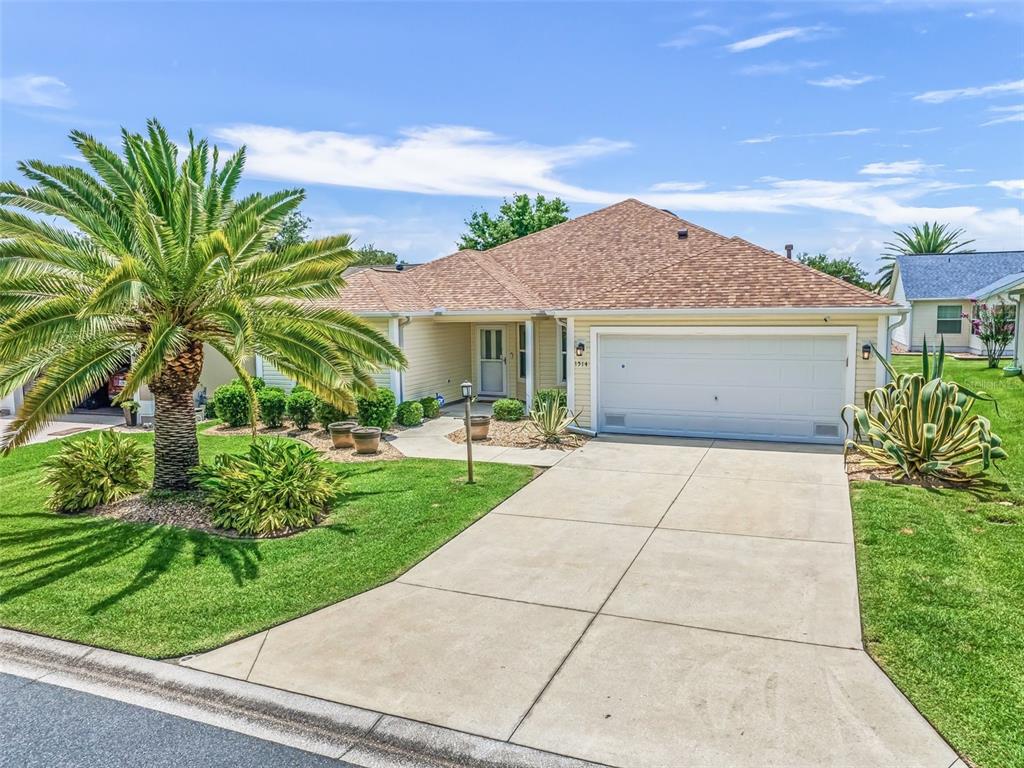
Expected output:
{"points": [[175, 444]]}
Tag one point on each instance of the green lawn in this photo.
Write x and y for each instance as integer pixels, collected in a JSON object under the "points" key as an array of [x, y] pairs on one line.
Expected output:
{"points": [[159, 591], [942, 587]]}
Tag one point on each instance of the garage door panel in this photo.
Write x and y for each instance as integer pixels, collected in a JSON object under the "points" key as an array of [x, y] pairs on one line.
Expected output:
{"points": [[787, 387]]}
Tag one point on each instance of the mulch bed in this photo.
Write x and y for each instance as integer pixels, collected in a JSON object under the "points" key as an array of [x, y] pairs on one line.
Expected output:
{"points": [[517, 434], [857, 469], [183, 510], [321, 440]]}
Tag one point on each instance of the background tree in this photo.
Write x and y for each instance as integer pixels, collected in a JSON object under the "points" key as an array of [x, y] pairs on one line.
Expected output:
{"points": [[924, 238], [292, 232], [845, 269], [516, 217], [163, 261], [368, 254]]}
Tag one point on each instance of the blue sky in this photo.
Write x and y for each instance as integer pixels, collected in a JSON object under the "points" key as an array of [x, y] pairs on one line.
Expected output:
{"points": [[824, 125]]}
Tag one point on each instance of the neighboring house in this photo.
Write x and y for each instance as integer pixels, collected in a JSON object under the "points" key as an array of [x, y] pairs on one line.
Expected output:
{"points": [[941, 289], [652, 324]]}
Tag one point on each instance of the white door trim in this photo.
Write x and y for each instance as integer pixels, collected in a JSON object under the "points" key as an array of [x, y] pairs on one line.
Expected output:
{"points": [[597, 331], [480, 359]]}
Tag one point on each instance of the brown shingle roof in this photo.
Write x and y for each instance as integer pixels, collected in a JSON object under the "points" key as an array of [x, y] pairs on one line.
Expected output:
{"points": [[625, 256]]}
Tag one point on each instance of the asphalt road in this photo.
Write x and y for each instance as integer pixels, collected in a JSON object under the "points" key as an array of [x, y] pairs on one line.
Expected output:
{"points": [[46, 726]]}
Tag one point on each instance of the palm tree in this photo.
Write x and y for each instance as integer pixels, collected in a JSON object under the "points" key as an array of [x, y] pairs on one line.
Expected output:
{"points": [[161, 262], [926, 238]]}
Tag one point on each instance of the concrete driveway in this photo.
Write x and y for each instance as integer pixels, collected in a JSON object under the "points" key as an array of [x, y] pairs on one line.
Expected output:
{"points": [[646, 602]]}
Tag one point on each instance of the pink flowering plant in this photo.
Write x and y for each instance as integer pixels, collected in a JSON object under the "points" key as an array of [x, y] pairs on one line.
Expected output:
{"points": [[993, 325]]}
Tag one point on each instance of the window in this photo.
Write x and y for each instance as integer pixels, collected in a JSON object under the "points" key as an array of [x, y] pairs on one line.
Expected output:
{"points": [[522, 350], [948, 319], [563, 353]]}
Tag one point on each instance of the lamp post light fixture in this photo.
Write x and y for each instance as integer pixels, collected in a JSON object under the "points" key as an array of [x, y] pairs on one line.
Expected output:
{"points": [[467, 395], [579, 349]]}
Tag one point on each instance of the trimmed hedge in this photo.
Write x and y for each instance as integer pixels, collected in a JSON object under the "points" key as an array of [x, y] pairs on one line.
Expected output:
{"points": [[548, 394], [301, 404], [325, 413], [376, 409], [232, 405], [431, 408], [273, 404], [508, 409], [409, 413]]}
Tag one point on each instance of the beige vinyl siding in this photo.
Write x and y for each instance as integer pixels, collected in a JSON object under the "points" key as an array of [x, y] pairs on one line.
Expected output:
{"points": [[867, 332], [545, 340], [381, 378], [438, 357], [274, 378], [923, 317]]}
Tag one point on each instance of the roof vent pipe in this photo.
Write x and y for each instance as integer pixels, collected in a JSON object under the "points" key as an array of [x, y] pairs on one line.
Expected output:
{"points": [[789, 251], [682, 233]]}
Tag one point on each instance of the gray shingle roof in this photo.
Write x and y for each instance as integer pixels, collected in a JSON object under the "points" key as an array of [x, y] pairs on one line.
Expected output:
{"points": [[955, 275]]}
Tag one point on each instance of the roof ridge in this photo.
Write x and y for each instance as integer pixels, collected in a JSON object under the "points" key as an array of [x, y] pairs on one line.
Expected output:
{"points": [[801, 265], [508, 281]]}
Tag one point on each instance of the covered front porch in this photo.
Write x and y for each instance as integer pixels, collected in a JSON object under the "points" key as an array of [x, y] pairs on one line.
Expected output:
{"points": [[504, 355]]}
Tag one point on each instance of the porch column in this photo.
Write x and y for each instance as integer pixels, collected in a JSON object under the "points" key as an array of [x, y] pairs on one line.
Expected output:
{"points": [[530, 360], [1018, 337], [394, 376]]}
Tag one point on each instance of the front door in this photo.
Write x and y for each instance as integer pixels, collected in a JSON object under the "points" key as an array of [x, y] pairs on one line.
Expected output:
{"points": [[492, 361]]}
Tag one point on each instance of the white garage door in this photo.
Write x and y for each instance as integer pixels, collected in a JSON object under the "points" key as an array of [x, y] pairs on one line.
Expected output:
{"points": [[762, 387]]}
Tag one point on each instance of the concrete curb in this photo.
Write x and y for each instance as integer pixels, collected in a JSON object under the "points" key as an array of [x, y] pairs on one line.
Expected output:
{"points": [[359, 736]]}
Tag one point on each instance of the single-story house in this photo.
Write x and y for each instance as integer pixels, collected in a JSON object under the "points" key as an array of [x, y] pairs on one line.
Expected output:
{"points": [[652, 324], [943, 291]]}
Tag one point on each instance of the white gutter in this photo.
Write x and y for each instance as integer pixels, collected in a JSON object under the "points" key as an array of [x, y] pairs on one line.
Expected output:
{"points": [[782, 311]]}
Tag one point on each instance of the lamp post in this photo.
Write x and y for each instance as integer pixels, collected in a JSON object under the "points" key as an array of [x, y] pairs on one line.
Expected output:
{"points": [[467, 394]]}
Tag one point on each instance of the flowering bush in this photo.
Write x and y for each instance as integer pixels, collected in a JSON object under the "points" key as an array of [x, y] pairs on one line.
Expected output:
{"points": [[993, 325]]}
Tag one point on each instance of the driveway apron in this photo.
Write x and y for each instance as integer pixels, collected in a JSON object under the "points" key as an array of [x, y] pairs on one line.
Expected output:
{"points": [[646, 602]]}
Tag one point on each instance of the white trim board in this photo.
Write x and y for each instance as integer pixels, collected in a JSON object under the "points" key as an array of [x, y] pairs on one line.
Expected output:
{"points": [[597, 331]]}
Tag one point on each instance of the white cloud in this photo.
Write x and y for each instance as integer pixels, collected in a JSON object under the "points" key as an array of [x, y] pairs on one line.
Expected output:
{"points": [[1013, 187], [769, 138], [36, 91], [760, 41], [921, 130], [996, 89], [678, 186], [897, 168], [460, 160], [1013, 113], [452, 160], [779, 67], [844, 82], [695, 35]]}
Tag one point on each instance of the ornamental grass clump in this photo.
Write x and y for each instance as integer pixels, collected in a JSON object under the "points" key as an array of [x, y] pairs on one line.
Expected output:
{"points": [[95, 469], [550, 420], [918, 425], [278, 486]]}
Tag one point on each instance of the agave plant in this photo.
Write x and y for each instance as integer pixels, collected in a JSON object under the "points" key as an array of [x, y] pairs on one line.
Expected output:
{"points": [[919, 424], [160, 263], [550, 419]]}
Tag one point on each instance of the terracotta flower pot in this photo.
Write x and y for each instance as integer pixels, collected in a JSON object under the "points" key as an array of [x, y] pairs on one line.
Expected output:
{"points": [[341, 433], [479, 426], [367, 439]]}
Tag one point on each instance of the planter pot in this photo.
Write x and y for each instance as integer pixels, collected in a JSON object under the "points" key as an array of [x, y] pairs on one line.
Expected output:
{"points": [[366, 439], [341, 433], [479, 426], [1011, 370], [131, 418]]}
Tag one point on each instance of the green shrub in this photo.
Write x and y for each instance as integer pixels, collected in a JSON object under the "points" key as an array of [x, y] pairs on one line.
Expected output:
{"points": [[301, 407], [507, 409], [232, 404], [209, 409], [376, 409], [256, 381], [431, 408], [95, 469], [558, 395], [409, 413], [918, 424], [325, 413], [278, 485], [273, 404]]}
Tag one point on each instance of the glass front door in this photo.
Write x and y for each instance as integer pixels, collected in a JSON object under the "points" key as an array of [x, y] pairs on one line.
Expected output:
{"points": [[492, 361]]}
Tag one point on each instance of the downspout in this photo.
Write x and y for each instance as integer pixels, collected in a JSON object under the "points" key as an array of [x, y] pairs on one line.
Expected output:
{"points": [[888, 338]]}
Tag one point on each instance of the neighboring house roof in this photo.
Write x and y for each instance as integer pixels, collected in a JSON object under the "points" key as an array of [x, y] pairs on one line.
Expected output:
{"points": [[626, 256], [956, 275]]}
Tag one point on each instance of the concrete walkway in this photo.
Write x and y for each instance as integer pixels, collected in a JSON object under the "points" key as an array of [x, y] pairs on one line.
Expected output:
{"points": [[428, 441], [69, 424], [647, 602]]}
